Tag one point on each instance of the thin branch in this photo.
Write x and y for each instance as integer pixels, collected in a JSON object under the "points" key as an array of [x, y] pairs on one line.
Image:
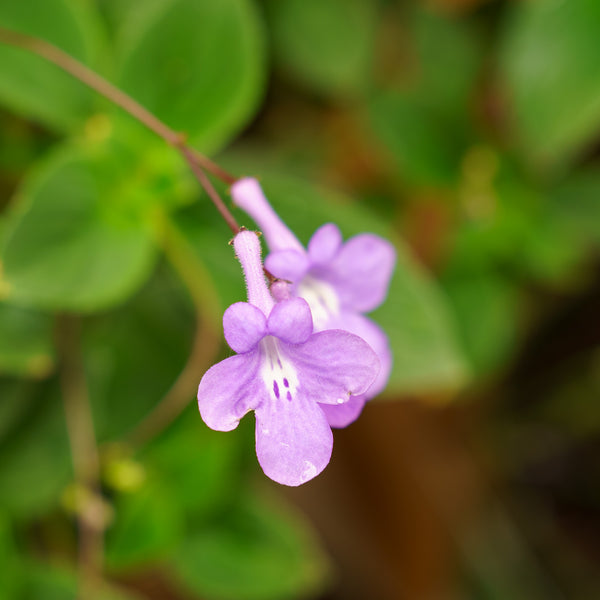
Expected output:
{"points": [[207, 337], [84, 453], [197, 161]]}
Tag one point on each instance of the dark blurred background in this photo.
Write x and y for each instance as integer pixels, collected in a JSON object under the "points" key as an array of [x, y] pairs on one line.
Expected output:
{"points": [[468, 132]]}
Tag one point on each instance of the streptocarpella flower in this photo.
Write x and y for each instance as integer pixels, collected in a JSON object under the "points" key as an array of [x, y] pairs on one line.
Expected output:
{"points": [[285, 373], [340, 281]]}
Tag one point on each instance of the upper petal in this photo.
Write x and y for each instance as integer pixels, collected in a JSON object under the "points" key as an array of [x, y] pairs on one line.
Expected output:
{"points": [[229, 390], [244, 325], [293, 439], [248, 195], [332, 365], [361, 272], [291, 265], [324, 244], [291, 321]]}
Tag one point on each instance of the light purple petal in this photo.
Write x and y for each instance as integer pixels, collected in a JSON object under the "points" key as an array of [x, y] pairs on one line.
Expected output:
{"points": [[332, 365], [229, 390], [344, 414], [369, 331], [291, 265], [244, 326], [248, 195], [324, 244], [291, 321], [361, 272], [293, 439]]}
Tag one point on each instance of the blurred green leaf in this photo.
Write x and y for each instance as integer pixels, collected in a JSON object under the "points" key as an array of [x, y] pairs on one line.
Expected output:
{"points": [[50, 582], [575, 203], [196, 64], [209, 237], [35, 87], [10, 566], [261, 550], [147, 526], [425, 146], [25, 342], [84, 239], [36, 457], [449, 55], [486, 308], [327, 45], [16, 397], [60, 582], [549, 59], [134, 354], [201, 467]]}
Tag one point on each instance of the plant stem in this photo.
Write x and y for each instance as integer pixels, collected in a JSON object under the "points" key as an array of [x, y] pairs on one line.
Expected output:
{"points": [[197, 162], [84, 453], [207, 336]]}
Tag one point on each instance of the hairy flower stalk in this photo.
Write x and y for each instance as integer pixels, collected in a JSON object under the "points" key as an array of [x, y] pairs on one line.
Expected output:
{"points": [[285, 373], [339, 281]]}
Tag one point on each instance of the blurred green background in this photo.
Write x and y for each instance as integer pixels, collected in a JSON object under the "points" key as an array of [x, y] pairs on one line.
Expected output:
{"points": [[468, 131]]}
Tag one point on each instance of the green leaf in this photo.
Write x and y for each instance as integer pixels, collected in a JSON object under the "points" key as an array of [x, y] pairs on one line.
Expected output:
{"points": [[25, 342], [84, 238], [133, 355], [10, 566], [415, 315], [486, 307], [60, 582], [327, 45], [425, 146], [36, 457], [17, 396], [201, 467], [147, 526], [34, 87], [550, 63], [449, 57], [196, 64], [575, 203], [261, 550]]}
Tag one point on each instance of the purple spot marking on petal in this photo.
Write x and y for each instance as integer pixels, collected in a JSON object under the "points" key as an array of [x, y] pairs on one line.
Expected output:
{"points": [[286, 382], [288, 395], [276, 389], [279, 363]]}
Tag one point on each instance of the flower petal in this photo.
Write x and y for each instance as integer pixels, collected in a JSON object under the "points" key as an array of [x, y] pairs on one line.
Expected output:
{"points": [[291, 321], [288, 264], [293, 440], [229, 390], [332, 365], [324, 244], [244, 325], [369, 331], [361, 272], [342, 415], [248, 195]]}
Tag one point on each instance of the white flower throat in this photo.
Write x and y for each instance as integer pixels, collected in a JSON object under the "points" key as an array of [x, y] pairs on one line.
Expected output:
{"points": [[322, 299], [278, 373]]}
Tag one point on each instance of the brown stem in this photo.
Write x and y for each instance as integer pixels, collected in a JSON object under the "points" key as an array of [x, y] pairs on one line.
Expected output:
{"points": [[84, 453], [197, 161]]}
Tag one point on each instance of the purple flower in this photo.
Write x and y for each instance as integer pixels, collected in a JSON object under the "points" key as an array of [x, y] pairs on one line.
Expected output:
{"points": [[285, 373], [340, 281]]}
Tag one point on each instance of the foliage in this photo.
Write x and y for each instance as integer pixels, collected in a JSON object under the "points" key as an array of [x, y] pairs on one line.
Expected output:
{"points": [[467, 138]]}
